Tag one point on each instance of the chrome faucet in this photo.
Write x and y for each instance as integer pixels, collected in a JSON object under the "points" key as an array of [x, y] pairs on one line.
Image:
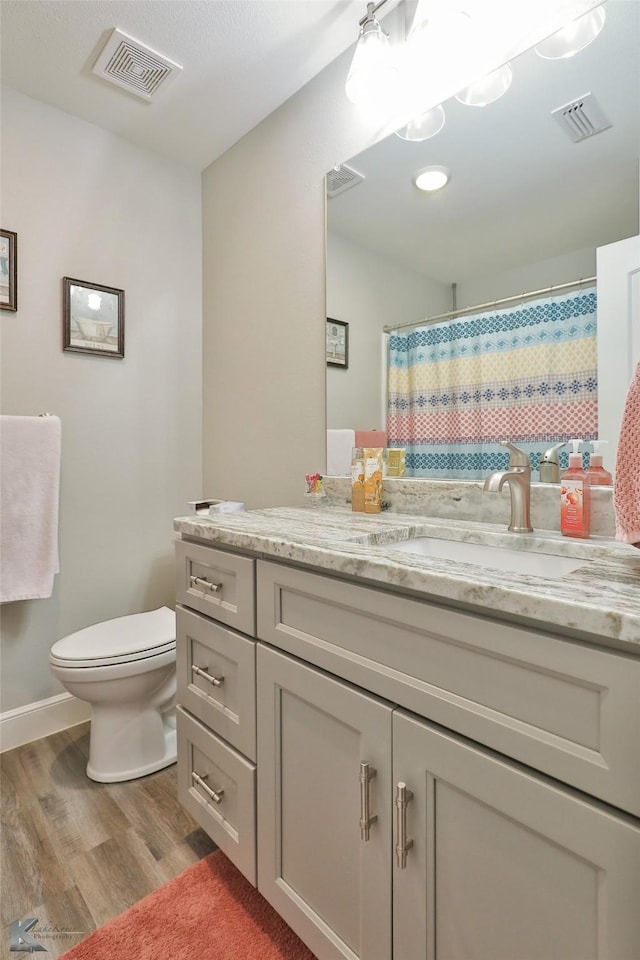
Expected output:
{"points": [[550, 465], [518, 476]]}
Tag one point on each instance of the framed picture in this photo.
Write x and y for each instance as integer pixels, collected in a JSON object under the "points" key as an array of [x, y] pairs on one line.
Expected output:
{"points": [[8, 270], [93, 318], [337, 343]]}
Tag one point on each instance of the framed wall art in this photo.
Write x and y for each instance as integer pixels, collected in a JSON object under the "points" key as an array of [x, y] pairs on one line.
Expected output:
{"points": [[8, 270], [93, 318], [337, 343]]}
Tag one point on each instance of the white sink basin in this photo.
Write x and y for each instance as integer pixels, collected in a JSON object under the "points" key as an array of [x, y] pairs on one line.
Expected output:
{"points": [[537, 564]]}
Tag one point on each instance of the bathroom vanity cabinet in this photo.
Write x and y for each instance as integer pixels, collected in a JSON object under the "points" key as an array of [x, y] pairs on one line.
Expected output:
{"points": [[405, 780]]}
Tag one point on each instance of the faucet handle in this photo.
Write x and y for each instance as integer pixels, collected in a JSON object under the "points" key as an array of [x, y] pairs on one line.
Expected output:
{"points": [[517, 457], [551, 455]]}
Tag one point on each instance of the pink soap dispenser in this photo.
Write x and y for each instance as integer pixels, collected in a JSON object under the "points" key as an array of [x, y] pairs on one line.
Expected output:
{"points": [[574, 497], [596, 474]]}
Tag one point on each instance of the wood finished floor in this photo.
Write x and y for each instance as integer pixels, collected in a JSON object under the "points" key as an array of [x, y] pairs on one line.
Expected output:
{"points": [[76, 853]]}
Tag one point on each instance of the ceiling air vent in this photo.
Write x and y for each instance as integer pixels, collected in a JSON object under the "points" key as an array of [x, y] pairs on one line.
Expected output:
{"points": [[582, 118], [341, 178], [134, 67]]}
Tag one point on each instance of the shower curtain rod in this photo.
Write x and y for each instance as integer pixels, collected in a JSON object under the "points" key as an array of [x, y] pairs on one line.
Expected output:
{"points": [[491, 303]]}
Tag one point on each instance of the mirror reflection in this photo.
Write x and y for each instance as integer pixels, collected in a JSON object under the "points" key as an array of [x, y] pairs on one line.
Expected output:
{"points": [[524, 209]]}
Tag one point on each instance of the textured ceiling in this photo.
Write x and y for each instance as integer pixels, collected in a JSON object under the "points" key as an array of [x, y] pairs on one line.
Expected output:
{"points": [[241, 61]]}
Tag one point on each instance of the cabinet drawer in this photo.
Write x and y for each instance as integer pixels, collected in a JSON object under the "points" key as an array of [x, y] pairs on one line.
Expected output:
{"points": [[218, 788], [216, 670], [218, 584], [570, 710]]}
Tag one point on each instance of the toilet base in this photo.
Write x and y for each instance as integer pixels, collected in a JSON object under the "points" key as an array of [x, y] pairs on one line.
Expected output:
{"points": [[126, 744], [118, 776]]}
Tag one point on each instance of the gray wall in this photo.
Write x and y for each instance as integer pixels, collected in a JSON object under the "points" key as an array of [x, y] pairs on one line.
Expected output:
{"points": [[535, 276], [88, 205], [370, 291], [264, 295]]}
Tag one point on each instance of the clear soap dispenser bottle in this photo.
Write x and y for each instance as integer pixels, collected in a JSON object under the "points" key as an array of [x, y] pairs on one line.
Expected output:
{"points": [[596, 473], [574, 497]]}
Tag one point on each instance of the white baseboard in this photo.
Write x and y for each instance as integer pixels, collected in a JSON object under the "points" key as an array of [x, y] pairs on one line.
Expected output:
{"points": [[36, 720]]}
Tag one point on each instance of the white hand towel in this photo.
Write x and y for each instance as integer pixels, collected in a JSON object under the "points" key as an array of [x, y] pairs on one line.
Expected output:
{"points": [[30, 450], [340, 444]]}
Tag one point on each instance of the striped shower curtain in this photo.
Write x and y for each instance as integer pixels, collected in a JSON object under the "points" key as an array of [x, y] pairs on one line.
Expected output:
{"points": [[524, 373]]}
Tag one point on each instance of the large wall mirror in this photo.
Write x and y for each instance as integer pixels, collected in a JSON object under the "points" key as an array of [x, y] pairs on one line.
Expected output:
{"points": [[525, 209]]}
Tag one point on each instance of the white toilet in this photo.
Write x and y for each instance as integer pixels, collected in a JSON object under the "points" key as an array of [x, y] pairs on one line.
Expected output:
{"points": [[126, 669]]}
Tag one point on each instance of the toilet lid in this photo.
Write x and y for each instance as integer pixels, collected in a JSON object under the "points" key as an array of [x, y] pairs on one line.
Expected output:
{"points": [[131, 637]]}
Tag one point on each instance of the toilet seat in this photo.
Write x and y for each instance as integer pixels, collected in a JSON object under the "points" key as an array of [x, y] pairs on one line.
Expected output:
{"points": [[139, 636]]}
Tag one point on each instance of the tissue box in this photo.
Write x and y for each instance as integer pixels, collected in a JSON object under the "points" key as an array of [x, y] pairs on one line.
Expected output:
{"points": [[211, 507], [201, 506], [225, 506]]}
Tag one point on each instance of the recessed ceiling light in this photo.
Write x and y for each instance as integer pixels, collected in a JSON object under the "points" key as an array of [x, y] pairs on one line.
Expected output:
{"points": [[431, 178]]}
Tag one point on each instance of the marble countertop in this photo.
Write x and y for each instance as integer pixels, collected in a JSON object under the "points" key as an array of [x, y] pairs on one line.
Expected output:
{"points": [[598, 601]]}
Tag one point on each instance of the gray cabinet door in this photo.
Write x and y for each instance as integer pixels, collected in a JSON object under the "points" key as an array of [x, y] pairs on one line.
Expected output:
{"points": [[504, 864], [332, 886]]}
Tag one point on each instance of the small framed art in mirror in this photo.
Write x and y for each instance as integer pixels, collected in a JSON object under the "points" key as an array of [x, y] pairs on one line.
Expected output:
{"points": [[8, 270], [337, 343], [93, 318]]}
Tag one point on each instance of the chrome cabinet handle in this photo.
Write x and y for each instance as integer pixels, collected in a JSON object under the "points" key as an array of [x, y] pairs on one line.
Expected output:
{"points": [[367, 773], [216, 681], [215, 795], [403, 796], [203, 582]]}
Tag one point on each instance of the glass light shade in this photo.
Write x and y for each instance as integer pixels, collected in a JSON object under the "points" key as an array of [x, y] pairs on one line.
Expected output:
{"points": [[424, 126], [431, 178], [373, 78], [436, 45], [489, 88], [573, 37]]}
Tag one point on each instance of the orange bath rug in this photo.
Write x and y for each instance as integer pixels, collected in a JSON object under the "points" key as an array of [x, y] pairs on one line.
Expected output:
{"points": [[210, 911]]}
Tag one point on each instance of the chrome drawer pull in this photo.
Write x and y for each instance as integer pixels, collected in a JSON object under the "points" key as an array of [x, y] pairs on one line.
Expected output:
{"points": [[367, 773], [403, 796], [216, 681], [204, 583], [216, 795]]}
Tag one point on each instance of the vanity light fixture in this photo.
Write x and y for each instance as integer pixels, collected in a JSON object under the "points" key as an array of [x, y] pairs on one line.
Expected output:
{"points": [[487, 89], [573, 37], [373, 78], [442, 36], [431, 178], [424, 126], [388, 81]]}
